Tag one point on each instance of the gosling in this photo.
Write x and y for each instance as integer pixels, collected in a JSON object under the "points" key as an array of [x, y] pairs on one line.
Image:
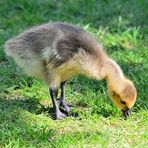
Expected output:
{"points": [[56, 52]]}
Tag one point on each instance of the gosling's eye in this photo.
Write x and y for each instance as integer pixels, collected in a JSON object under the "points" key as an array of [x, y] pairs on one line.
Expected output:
{"points": [[123, 102]]}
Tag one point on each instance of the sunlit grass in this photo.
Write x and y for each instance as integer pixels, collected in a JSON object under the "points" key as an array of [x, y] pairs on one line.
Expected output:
{"points": [[25, 108]]}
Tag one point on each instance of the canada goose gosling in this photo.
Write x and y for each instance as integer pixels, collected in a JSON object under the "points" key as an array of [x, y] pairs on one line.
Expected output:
{"points": [[56, 52]]}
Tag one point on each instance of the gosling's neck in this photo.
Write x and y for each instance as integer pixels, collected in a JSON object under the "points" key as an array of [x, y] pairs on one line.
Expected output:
{"points": [[113, 74]]}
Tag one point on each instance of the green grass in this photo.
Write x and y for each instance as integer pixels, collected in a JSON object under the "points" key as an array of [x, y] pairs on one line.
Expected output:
{"points": [[25, 107]]}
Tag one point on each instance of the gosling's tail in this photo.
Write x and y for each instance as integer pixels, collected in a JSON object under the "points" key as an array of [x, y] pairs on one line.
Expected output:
{"points": [[11, 46]]}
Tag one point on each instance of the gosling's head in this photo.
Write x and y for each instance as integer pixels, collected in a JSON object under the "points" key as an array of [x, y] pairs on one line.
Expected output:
{"points": [[125, 97]]}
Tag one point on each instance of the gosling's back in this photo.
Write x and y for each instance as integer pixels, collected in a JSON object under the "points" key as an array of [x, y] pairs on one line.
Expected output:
{"points": [[50, 44]]}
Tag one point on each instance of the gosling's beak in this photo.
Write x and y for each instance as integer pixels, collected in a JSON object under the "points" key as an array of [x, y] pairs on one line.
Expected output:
{"points": [[127, 113]]}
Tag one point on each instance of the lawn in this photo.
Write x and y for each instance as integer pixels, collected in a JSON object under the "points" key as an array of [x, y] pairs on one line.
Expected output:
{"points": [[25, 108]]}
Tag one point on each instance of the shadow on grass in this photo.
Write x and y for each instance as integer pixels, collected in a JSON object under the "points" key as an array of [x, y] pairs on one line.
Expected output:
{"points": [[35, 107], [32, 105]]}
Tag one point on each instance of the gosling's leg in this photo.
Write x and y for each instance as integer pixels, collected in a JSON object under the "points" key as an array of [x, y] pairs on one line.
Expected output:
{"points": [[57, 112], [62, 102]]}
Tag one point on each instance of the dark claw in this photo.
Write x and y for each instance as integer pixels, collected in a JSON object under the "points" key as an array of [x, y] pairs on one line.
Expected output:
{"points": [[126, 113]]}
